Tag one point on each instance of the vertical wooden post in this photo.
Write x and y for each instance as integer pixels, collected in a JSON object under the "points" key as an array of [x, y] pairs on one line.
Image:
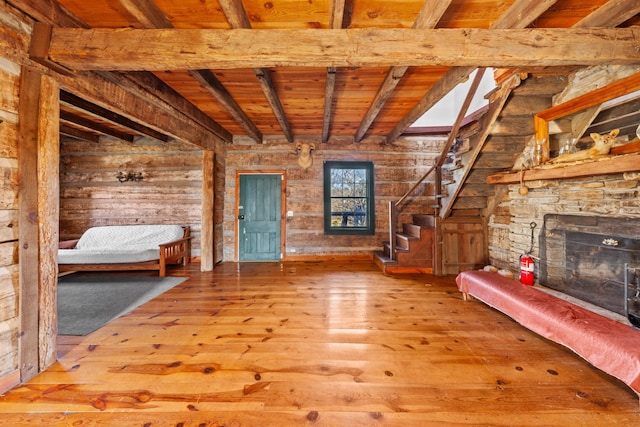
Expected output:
{"points": [[48, 216], [393, 219], [437, 225], [38, 159], [207, 241]]}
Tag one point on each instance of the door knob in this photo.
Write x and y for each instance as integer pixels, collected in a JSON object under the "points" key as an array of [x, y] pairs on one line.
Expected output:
{"points": [[241, 217]]}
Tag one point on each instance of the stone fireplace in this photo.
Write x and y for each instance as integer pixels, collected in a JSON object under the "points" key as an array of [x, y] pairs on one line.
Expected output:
{"points": [[584, 256]]}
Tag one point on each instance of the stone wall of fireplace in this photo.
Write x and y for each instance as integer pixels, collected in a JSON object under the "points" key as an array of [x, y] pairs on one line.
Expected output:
{"points": [[509, 230]]}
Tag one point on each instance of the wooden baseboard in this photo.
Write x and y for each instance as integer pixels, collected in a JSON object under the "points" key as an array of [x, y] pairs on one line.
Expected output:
{"points": [[9, 381], [319, 258]]}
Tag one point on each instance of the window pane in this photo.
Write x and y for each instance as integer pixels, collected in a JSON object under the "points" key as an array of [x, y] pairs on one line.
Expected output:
{"points": [[349, 197]]}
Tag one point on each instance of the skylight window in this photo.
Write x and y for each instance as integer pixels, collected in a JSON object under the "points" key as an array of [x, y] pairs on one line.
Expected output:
{"points": [[445, 112]]}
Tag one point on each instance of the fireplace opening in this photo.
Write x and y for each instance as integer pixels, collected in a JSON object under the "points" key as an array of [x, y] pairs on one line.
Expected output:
{"points": [[585, 257]]}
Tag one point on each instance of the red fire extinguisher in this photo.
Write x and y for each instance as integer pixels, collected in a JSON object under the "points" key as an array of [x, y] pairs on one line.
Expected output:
{"points": [[527, 263], [527, 267]]}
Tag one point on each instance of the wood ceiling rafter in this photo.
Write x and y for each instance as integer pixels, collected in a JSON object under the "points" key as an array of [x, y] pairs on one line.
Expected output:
{"points": [[336, 21], [612, 13], [96, 110], [520, 15], [147, 13], [50, 12], [76, 133], [429, 16], [237, 17], [69, 117], [146, 84], [216, 89], [150, 16]]}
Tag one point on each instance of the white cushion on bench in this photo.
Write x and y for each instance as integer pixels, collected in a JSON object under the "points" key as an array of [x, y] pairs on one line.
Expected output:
{"points": [[120, 244]]}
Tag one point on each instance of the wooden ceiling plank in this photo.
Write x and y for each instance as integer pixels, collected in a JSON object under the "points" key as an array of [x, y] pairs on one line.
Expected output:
{"points": [[237, 17], [170, 49], [110, 116], [212, 85], [147, 13], [89, 124], [78, 134], [429, 16], [520, 15]]}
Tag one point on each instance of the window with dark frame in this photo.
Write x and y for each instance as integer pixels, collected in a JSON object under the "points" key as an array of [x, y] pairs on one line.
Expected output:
{"points": [[348, 198]]}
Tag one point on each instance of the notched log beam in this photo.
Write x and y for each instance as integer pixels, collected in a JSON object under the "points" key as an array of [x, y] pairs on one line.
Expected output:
{"points": [[38, 50], [191, 49]]}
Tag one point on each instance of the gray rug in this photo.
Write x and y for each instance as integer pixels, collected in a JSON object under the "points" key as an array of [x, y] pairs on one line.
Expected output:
{"points": [[89, 301]]}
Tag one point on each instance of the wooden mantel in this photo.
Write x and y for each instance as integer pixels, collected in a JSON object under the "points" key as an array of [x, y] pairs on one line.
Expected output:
{"points": [[603, 166]]}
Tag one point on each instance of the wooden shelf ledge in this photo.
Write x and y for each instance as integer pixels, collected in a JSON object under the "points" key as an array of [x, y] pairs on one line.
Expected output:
{"points": [[603, 166]]}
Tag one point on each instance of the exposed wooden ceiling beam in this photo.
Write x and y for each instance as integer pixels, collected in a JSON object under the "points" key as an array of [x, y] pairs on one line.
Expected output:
{"points": [[237, 17], [48, 12], [189, 49], [264, 79], [80, 103], [611, 14], [78, 134], [520, 15], [147, 13], [336, 20], [148, 85], [150, 16], [235, 13], [430, 14], [97, 127], [212, 85], [329, 93]]}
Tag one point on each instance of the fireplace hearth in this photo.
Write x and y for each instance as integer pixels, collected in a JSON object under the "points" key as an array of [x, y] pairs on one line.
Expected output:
{"points": [[585, 257]]}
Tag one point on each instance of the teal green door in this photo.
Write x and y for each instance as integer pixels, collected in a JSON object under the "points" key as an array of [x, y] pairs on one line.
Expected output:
{"points": [[259, 217]]}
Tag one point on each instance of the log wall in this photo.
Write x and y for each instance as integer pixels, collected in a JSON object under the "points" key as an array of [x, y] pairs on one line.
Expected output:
{"points": [[397, 168], [509, 229], [9, 267], [91, 195]]}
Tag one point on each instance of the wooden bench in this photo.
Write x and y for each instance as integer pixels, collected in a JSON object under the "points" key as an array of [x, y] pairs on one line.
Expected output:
{"points": [[174, 252], [611, 346]]}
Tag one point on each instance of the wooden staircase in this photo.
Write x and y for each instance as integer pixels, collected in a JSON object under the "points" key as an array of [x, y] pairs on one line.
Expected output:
{"points": [[492, 144], [413, 250]]}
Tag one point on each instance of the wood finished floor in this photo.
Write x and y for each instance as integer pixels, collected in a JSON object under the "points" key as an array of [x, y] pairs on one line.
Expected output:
{"points": [[317, 344]]}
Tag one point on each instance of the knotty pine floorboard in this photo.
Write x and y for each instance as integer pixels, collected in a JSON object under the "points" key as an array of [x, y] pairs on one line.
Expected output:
{"points": [[317, 344]]}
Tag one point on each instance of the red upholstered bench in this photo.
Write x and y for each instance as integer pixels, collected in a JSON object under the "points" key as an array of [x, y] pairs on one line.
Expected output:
{"points": [[607, 344]]}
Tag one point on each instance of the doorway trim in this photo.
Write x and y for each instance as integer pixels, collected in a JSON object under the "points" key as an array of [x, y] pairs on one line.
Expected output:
{"points": [[283, 208]]}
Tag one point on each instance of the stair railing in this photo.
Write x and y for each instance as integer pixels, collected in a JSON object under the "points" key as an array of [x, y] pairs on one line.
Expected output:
{"points": [[394, 206]]}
